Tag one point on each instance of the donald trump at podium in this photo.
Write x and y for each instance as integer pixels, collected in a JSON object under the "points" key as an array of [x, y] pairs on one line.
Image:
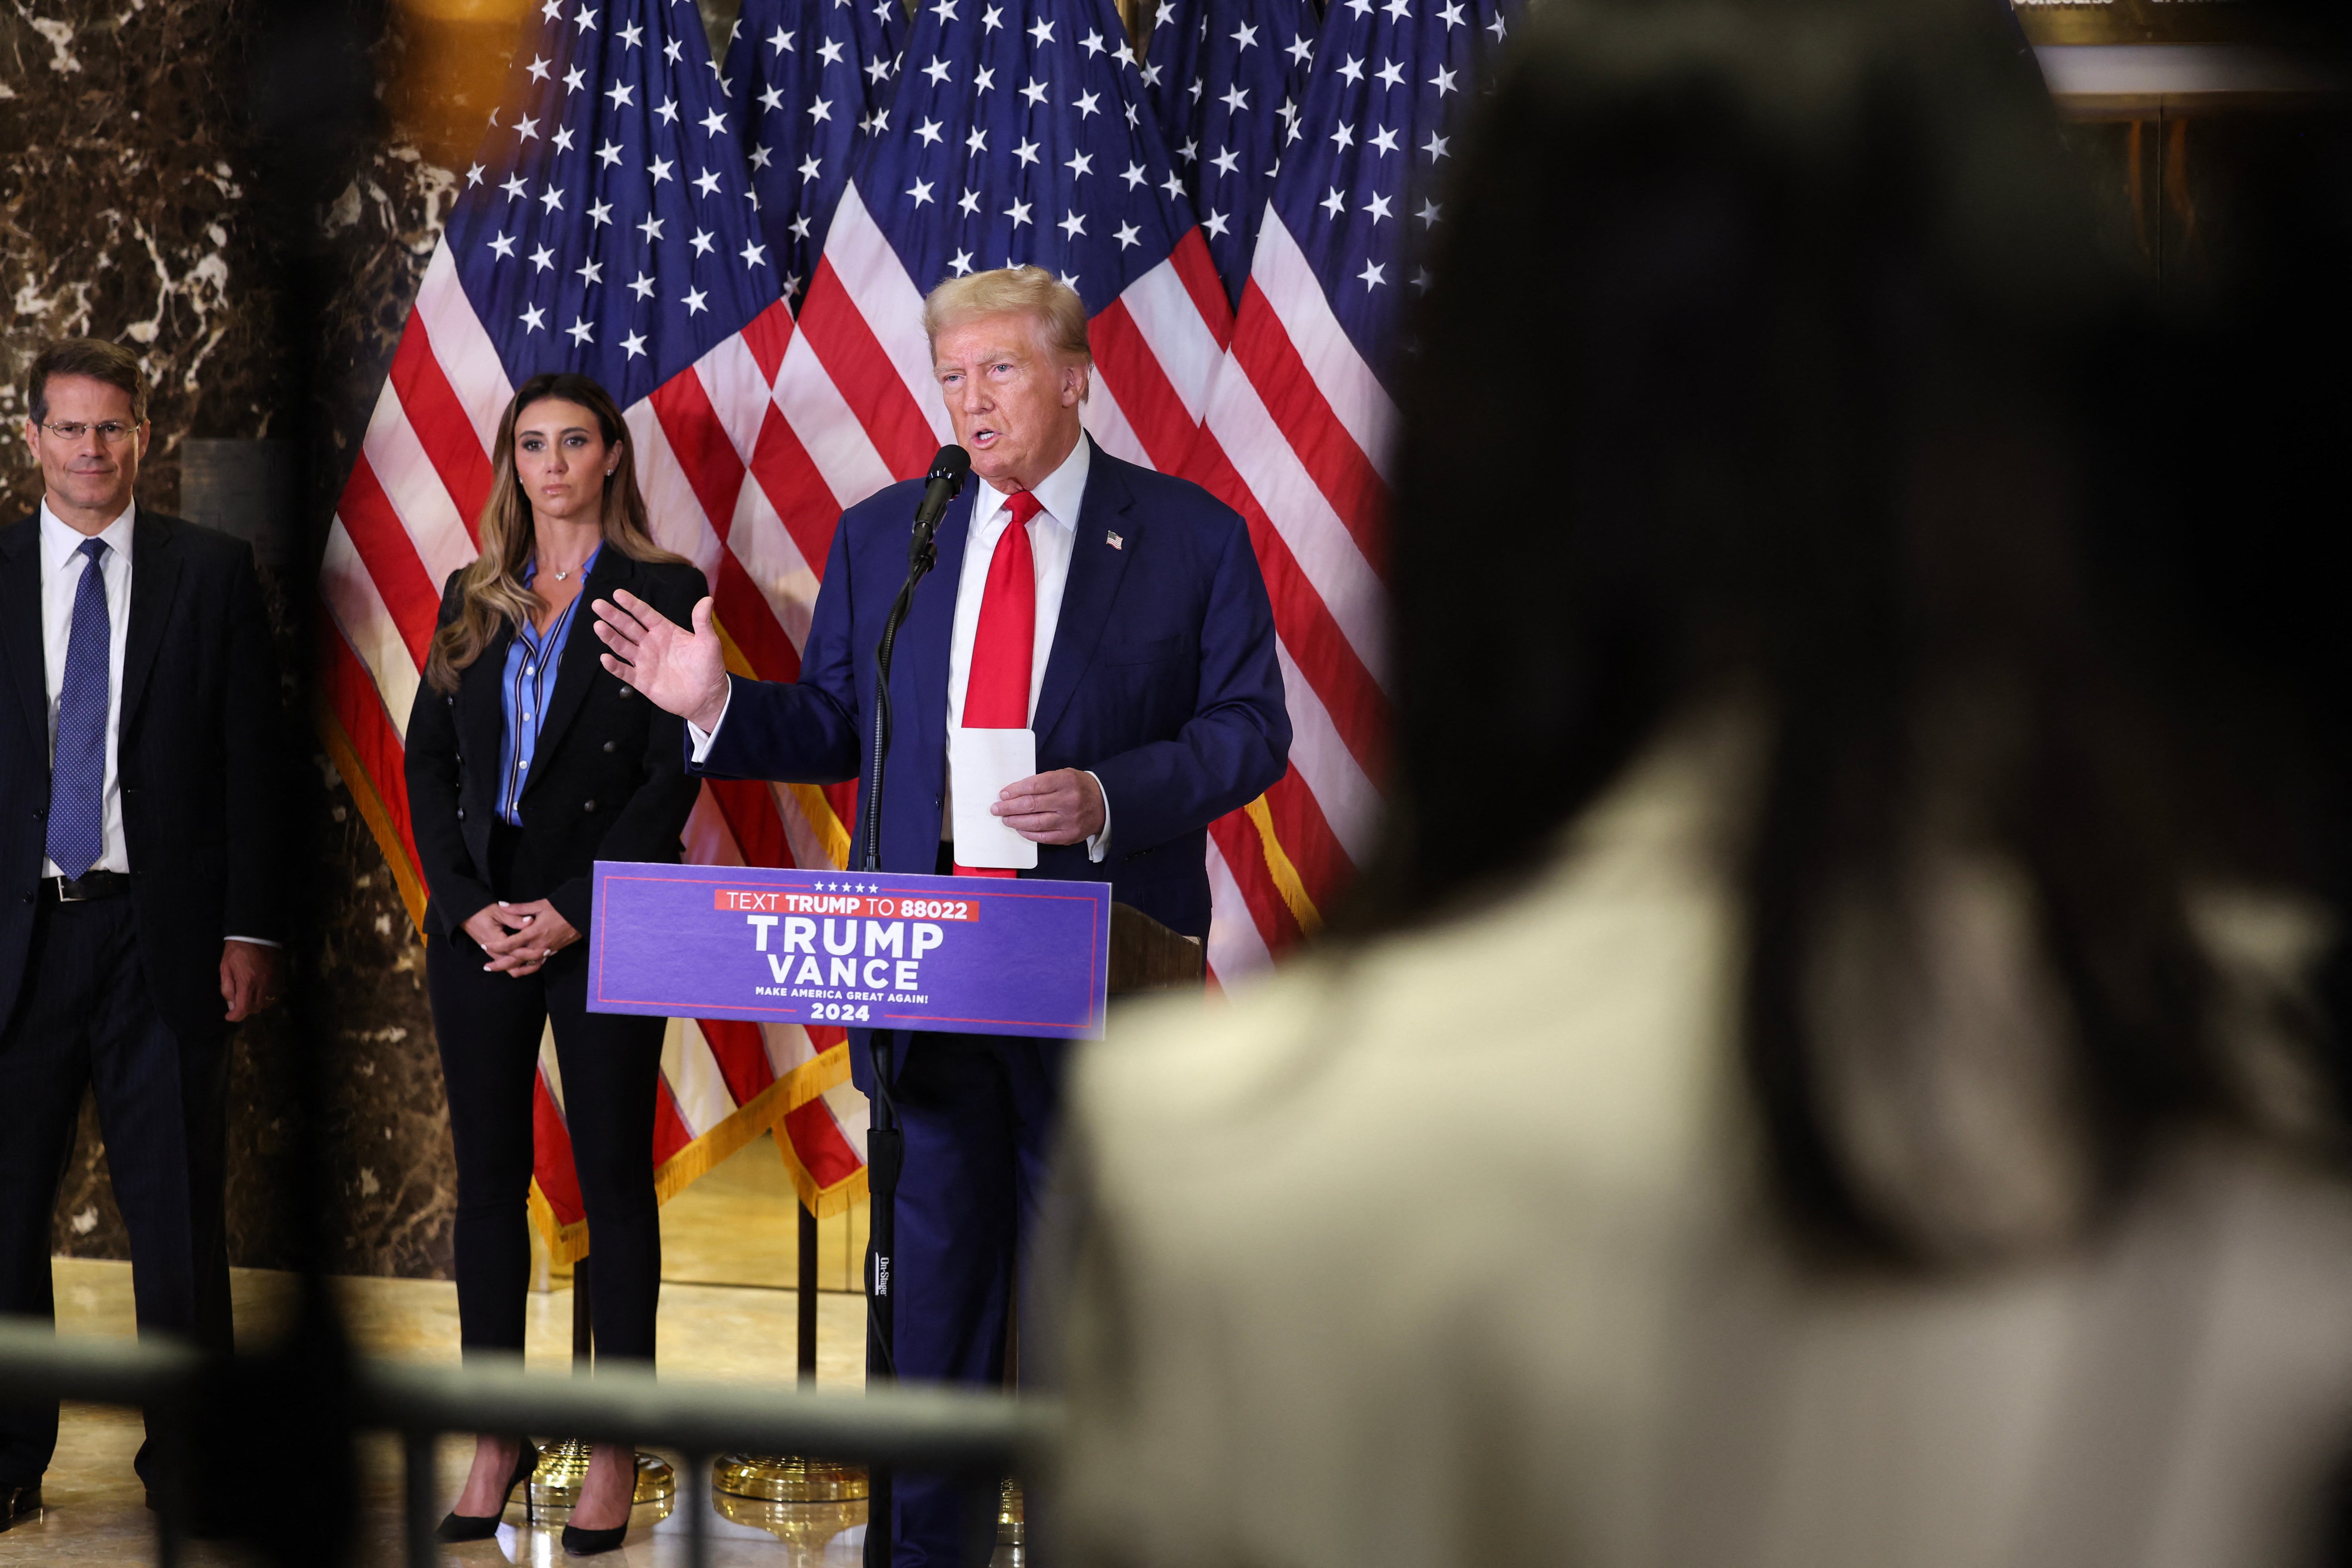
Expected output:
{"points": [[1116, 613]]}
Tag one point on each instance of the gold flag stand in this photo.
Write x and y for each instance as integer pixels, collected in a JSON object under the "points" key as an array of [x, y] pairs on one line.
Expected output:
{"points": [[788, 1495]]}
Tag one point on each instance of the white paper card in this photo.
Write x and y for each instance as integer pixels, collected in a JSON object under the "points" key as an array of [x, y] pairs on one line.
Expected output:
{"points": [[980, 762]]}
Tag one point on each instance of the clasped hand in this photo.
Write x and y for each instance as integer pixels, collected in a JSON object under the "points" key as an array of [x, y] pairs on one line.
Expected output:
{"points": [[520, 938]]}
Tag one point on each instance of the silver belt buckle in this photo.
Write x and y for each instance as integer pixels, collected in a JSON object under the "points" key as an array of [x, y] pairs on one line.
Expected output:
{"points": [[65, 893]]}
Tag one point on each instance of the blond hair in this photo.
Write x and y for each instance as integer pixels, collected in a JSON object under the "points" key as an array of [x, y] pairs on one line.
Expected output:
{"points": [[491, 591], [1008, 290]]}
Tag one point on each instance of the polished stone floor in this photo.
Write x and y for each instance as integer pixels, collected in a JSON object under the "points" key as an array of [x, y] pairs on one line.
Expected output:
{"points": [[725, 1313]]}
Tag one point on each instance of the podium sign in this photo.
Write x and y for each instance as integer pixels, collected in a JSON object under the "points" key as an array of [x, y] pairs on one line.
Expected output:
{"points": [[985, 955]]}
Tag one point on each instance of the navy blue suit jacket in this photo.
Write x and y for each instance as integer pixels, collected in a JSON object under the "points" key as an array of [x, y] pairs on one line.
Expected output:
{"points": [[1162, 681]]}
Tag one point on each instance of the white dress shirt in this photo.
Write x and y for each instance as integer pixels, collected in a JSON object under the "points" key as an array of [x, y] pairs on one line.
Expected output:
{"points": [[62, 564], [1053, 535]]}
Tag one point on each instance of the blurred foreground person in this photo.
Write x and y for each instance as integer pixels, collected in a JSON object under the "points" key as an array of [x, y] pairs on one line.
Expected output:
{"points": [[1801, 1088]]}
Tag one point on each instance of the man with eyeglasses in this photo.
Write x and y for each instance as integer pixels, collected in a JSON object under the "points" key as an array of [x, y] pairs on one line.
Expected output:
{"points": [[140, 910]]}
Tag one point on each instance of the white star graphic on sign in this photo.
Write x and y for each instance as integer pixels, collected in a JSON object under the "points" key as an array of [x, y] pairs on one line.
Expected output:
{"points": [[761, 157], [660, 169], [938, 71], [1173, 186], [821, 109], [829, 51], [1335, 203], [1442, 81], [1344, 137], [1034, 92], [553, 200], [531, 318], [503, 246], [1080, 163], [474, 176], [1227, 161], [969, 203], [633, 345], [1429, 214], [754, 255], [1383, 140], [1133, 176], [1019, 213], [542, 259], [538, 69], [668, 111], [642, 286], [1353, 70], [1085, 103], [713, 123], [1373, 275], [610, 154], [632, 36], [651, 229], [1027, 152], [1073, 226], [1043, 32], [1379, 207], [809, 166], [1215, 224], [984, 80], [921, 191], [782, 43], [694, 301], [528, 130], [1434, 147], [580, 331], [584, 21], [1237, 98], [701, 242], [563, 140], [707, 183], [574, 80], [978, 140]]}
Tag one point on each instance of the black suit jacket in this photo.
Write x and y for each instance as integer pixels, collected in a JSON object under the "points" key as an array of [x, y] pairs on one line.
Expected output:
{"points": [[608, 778], [200, 760]]}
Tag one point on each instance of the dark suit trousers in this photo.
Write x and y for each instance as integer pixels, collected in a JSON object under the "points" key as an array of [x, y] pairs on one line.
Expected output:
{"points": [[979, 1112], [85, 1018], [489, 1027]]}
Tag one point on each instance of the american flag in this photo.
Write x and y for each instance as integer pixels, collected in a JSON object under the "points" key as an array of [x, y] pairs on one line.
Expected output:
{"points": [[1296, 435], [808, 77], [605, 225], [1226, 76]]}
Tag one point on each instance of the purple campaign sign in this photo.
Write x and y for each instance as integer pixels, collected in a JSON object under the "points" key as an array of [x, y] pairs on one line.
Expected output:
{"points": [[985, 955]]}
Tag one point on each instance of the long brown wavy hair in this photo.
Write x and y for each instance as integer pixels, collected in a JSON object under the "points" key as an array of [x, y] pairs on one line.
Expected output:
{"points": [[491, 591]]}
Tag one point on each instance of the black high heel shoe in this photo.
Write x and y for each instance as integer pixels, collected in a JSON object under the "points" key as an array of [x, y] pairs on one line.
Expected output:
{"points": [[456, 1526], [580, 1543]]}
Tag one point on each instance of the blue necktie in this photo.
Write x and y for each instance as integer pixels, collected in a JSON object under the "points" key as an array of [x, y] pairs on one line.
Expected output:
{"points": [[77, 778]]}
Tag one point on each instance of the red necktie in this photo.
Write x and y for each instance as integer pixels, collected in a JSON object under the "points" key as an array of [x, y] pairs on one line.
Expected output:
{"points": [[1003, 647]]}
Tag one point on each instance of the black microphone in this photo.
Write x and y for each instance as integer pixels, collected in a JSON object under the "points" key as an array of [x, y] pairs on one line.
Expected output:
{"points": [[948, 470]]}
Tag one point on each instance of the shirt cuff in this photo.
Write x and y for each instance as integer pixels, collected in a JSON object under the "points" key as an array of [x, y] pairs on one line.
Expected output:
{"points": [[256, 941], [698, 739], [1099, 845]]}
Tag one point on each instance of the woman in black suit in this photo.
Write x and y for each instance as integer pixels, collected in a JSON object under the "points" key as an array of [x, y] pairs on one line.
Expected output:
{"points": [[525, 763]]}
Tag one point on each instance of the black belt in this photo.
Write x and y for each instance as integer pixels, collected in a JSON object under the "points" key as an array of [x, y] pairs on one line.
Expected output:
{"points": [[81, 889]]}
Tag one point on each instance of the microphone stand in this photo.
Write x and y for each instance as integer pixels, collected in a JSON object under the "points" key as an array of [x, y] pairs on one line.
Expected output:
{"points": [[885, 1144]]}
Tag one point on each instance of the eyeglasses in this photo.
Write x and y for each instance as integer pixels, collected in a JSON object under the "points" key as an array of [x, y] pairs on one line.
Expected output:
{"points": [[114, 431]]}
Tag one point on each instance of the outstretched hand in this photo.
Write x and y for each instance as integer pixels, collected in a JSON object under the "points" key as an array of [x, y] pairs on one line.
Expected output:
{"points": [[680, 671]]}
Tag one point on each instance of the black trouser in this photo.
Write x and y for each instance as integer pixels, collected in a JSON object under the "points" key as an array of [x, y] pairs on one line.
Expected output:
{"points": [[85, 1019], [489, 1027]]}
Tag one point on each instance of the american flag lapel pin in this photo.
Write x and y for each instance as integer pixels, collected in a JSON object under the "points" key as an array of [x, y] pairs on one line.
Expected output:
{"points": [[1113, 541]]}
